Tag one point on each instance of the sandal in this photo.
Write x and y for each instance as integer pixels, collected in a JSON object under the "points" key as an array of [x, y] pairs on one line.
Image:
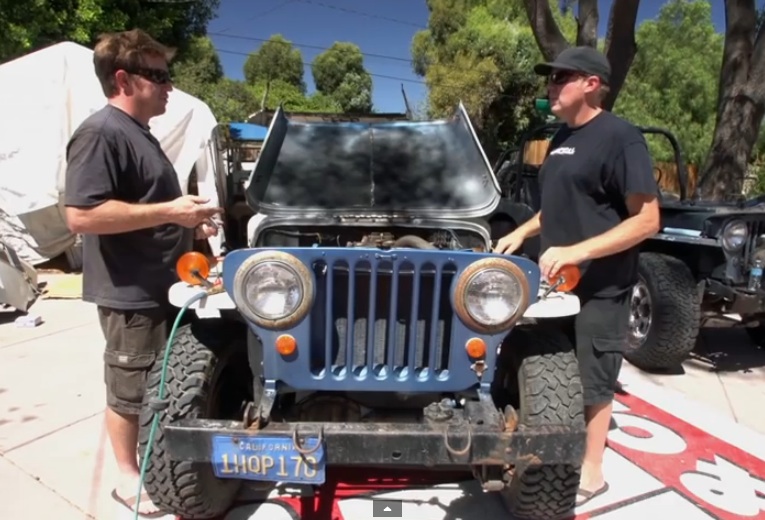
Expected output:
{"points": [[131, 504], [589, 495]]}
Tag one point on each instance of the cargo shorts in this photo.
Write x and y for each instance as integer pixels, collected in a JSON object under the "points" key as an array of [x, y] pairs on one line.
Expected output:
{"points": [[600, 334], [134, 340]]}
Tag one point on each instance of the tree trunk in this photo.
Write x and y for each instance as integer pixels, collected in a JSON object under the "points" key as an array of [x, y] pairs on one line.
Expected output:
{"points": [[620, 40], [741, 102], [738, 125]]}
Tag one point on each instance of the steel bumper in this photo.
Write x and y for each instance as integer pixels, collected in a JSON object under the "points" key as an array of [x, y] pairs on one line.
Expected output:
{"points": [[392, 444]]}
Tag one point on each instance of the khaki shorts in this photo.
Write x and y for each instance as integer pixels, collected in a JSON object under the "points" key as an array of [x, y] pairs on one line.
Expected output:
{"points": [[134, 340]]}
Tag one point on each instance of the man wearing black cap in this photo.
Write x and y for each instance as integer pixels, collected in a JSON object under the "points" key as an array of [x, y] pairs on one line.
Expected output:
{"points": [[598, 203]]}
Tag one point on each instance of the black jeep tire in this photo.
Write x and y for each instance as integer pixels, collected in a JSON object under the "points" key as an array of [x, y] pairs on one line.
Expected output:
{"points": [[673, 310], [200, 354], [550, 392]]}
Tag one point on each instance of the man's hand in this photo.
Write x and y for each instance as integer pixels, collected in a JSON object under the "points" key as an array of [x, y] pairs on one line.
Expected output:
{"points": [[509, 243], [554, 258], [189, 211], [206, 230]]}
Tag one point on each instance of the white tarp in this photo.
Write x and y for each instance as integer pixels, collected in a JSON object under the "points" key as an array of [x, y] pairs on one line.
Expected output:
{"points": [[44, 96]]}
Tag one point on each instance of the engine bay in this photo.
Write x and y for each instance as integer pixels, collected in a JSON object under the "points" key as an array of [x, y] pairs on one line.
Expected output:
{"points": [[373, 237]]}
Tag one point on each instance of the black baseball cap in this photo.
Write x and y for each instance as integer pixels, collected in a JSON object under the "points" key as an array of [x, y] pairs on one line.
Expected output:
{"points": [[580, 59]]}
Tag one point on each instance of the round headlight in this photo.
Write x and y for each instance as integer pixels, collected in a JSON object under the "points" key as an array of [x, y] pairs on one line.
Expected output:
{"points": [[492, 296], [273, 289], [734, 235]]}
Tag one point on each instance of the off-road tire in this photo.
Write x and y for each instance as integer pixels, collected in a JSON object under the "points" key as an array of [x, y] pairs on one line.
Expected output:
{"points": [[550, 392], [197, 358], [675, 314]]}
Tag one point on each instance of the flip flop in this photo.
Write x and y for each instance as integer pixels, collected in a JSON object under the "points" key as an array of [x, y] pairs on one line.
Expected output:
{"points": [[589, 495], [131, 504]]}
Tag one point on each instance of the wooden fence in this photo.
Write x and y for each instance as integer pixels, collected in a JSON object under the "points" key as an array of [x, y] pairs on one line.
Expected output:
{"points": [[664, 172]]}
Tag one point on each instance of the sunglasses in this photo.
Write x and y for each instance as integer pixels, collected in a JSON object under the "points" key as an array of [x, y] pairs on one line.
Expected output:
{"points": [[158, 76], [561, 77]]}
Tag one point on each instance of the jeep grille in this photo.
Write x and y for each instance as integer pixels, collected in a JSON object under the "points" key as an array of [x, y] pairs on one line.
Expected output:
{"points": [[408, 304]]}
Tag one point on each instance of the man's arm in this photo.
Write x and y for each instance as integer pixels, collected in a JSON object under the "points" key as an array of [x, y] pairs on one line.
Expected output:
{"points": [[633, 179], [92, 177], [531, 227]]}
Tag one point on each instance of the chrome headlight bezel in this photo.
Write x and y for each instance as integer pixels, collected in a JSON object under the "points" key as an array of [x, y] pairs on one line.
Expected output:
{"points": [[734, 235], [243, 278], [470, 275]]}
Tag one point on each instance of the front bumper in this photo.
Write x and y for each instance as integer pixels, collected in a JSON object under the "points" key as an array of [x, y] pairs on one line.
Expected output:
{"points": [[738, 299], [477, 436]]}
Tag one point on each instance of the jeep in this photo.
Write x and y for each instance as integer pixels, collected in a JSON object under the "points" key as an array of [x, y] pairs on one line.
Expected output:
{"points": [[366, 324]]}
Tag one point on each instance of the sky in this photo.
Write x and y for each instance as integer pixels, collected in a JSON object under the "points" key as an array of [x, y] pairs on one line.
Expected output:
{"points": [[383, 30]]}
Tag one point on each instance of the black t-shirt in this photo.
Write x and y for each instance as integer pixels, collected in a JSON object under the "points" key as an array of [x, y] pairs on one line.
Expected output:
{"points": [[584, 183], [113, 156]]}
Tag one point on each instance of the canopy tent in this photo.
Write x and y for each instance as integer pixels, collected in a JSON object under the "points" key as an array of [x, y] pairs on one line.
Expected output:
{"points": [[45, 96]]}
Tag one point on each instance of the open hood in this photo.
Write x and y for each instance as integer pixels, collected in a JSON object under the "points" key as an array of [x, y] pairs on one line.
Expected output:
{"points": [[403, 168]]}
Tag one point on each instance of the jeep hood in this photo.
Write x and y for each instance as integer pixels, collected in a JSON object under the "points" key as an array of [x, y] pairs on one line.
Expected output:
{"points": [[405, 168]]}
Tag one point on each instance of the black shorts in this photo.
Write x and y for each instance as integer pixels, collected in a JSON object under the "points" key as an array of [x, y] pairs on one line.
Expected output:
{"points": [[134, 340], [599, 333]]}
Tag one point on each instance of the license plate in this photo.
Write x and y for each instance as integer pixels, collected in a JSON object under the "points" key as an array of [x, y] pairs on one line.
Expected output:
{"points": [[272, 459]]}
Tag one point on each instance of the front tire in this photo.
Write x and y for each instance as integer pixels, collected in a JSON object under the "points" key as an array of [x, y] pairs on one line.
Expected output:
{"points": [[199, 373], [549, 390], [665, 314]]}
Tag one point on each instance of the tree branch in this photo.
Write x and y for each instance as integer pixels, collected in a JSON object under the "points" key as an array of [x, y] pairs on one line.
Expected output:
{"points": [[620, 44], [546, 31], [587, 32]]}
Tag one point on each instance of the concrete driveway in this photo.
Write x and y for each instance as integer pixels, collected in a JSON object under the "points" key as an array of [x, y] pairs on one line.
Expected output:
{"points": [[55, 458]]}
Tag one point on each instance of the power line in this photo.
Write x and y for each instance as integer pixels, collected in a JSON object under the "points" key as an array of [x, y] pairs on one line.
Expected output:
{"points": [[224, 51], [262, 13], [360, 13], [307, 46]]}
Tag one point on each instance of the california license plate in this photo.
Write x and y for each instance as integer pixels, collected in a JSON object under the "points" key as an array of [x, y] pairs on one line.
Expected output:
{"points": [[272, 459]]}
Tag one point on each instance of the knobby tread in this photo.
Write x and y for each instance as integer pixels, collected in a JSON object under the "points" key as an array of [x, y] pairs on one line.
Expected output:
{"points": [[675, 313], [183, 488], [551, 393]]}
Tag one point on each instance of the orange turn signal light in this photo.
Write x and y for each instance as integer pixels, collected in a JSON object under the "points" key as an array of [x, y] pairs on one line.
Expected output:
{"points": [[476, 347], [571, 276], [193, 267], [286, 345]]}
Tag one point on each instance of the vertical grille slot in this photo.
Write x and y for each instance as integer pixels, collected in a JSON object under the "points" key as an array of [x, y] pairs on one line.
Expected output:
{"points": [[377, 320]]}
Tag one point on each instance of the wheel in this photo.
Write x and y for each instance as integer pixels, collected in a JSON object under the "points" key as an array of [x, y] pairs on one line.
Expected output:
{"points": [[665, 314], [206, 378], [549, 392]]}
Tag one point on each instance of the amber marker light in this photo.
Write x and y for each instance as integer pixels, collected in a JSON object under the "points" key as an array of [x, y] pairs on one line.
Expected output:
{"points": [[571, 276], [476, 348], [193, 268], [286, 345]]}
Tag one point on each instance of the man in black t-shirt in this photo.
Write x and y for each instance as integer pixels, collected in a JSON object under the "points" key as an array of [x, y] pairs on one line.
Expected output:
{"points": [[598, 203], [122, 194]]}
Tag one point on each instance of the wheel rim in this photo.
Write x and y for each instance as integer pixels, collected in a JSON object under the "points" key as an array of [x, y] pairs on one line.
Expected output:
{"points": [[640, 314]]}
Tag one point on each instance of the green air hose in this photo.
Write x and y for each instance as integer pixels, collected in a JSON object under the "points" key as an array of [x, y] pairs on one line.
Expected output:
{"points": [[161, 393]]}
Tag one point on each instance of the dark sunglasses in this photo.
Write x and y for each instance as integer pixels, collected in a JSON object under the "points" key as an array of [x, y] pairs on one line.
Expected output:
{"points": [[158, 76], [561, 77]]}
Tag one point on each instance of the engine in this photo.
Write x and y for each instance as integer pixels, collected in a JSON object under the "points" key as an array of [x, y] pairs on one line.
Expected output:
{"points": [[375, 237]]}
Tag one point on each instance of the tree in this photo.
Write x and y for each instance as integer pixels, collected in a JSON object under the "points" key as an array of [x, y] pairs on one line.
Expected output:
{"points": [[482, 52], [198, 65], [276, 59], [29, 26], [619, 47], [340, 74], [740, 101], [673, 81]]}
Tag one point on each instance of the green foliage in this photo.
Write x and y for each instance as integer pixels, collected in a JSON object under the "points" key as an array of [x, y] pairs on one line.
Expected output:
{"points": [[482, 52], [33, 24], [673, 80], [339, 74], [276, 59]]}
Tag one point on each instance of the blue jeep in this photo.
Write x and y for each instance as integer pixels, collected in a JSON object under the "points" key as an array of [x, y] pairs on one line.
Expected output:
{"points": [[366, 324]]}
